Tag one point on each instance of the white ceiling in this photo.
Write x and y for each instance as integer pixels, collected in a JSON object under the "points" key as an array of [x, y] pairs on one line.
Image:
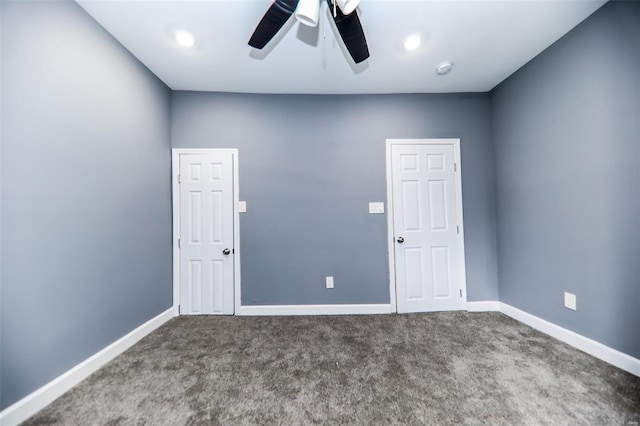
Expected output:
{"points": [[486, 40]]}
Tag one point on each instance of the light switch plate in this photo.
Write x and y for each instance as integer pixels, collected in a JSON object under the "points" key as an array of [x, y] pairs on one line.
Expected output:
{"points": [[242, 206], [376, 208]]}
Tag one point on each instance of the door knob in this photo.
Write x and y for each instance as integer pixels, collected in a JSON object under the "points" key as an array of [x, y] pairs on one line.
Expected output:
{"points": [[226, 252], [400, 240]]}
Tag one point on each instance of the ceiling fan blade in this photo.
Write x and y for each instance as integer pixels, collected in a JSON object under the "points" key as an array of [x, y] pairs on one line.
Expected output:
{"points": [[278, 13], [351, 32]]}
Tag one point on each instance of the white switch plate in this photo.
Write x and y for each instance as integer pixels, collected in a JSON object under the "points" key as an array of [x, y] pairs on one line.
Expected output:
{"points": [[570, 300], [329, 282], [242, 206], [376, 208]]}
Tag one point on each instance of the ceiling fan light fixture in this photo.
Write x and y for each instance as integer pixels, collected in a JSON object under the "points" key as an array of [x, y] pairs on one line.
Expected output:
{"points": [[412, 42], [347, 6], [184, 38], [307, 12]]}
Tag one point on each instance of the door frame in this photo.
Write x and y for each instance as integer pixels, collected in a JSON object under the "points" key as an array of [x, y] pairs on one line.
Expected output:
{"points": [[175, 201], [462, 274]]}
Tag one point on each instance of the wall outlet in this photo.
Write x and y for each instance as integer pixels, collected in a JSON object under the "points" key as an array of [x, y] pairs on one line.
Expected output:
{"points": [[570, 301], [329, 282], [242, 206]]}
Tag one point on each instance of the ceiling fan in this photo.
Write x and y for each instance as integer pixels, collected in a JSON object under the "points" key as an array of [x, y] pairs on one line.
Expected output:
{"points": [[344, 15]]}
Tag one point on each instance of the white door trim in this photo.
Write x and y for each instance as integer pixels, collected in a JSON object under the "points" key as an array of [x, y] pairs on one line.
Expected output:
{"points": [[175, 200], [390, 234]]}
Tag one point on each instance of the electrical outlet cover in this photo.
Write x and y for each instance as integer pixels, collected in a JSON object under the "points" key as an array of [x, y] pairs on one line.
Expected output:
{"points": [[570, 301], [329, 282]]}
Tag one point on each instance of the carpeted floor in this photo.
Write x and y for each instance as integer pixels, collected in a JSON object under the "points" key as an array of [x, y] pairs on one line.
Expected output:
{"points": [[439, 368]]}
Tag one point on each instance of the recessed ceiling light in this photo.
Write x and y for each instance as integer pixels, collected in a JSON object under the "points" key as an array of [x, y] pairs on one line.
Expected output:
{"points": [[444, 68], [184, 38], [412, 42]]}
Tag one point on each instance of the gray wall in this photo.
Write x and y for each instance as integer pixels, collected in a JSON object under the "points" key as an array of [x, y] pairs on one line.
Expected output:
{"points": [[567, 143], [309, 166], [86, 220]]}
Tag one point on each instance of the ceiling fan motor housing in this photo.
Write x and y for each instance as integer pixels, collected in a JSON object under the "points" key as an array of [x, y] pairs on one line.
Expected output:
{"points": [[347, 24], [347, 6]]}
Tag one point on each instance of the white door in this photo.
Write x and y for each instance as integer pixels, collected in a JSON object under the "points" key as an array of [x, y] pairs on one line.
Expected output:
{"points": [[425, 227], [206, 233]]}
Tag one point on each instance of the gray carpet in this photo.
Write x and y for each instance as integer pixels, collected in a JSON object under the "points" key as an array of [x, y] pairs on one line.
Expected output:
{"points": [[439, 368]]}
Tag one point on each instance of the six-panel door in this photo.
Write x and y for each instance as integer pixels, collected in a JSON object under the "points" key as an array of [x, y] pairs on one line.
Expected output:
{"points": [[425, 228], [206, 233]]}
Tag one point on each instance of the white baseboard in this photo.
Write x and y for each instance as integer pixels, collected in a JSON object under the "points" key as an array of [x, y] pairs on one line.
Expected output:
{"points": [[596, 349], [37, 400], [267, 310], [34, 402], [484, 306]]}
